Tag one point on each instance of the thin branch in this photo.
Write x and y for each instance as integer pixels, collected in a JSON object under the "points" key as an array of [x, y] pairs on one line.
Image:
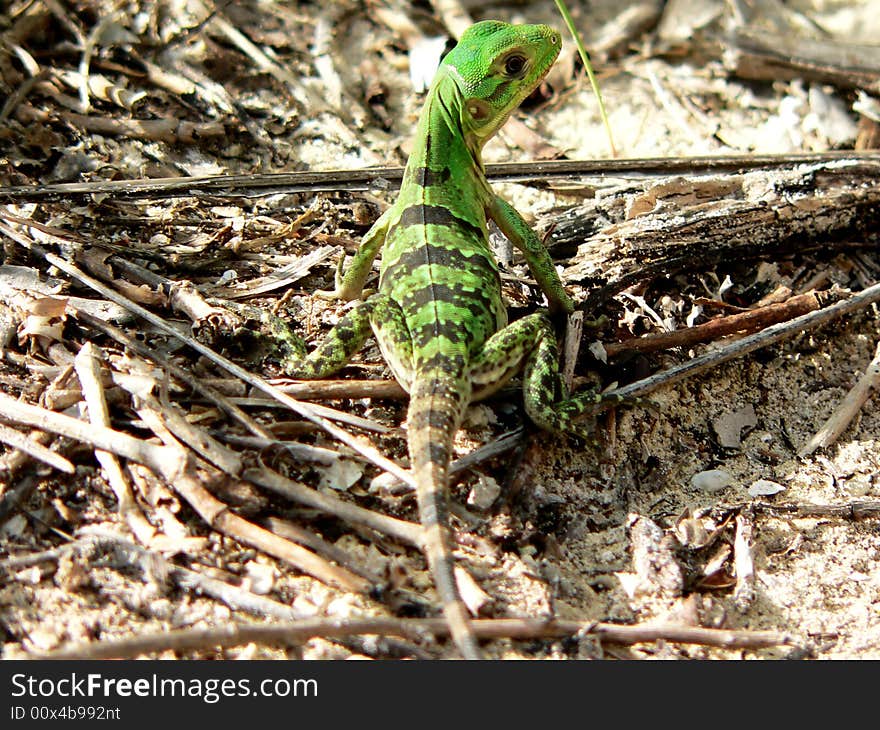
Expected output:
{"points": [[849, 407], [175, 466], [739, 348], [168, 129], [310, 412], [22, 442], [370, 177], [387, 484], [97, 436], [307, 538], [197, 384], [408, 532], [88, 370], [742, 322], [300, 631], [336, 389], [744, 566], [186, 482]]}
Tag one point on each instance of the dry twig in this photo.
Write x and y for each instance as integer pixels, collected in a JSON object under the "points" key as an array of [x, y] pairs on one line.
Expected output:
{"points": [[739, 323], [728, 351], [744, 566], [34, 449], [311, 412], [849, 407], [88, 370], [300, 631]]}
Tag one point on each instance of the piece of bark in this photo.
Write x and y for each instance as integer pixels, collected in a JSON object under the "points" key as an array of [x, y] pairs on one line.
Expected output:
{"points": [[697, 223]]}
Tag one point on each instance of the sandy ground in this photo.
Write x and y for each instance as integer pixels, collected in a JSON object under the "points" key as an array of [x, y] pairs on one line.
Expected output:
{"points": [[615, 531]]}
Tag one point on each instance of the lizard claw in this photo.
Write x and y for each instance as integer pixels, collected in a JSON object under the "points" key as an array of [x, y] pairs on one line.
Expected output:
{"points": [[341, 290], [338, 289], [326, 294]]}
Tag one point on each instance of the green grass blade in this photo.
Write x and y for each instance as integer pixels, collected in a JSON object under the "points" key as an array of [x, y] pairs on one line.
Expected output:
{"points": [[585, 58]]}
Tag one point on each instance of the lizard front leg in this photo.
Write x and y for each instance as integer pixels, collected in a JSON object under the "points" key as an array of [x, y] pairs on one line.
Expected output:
{"points": [[529, 344], [526, 240], [350, 283]]}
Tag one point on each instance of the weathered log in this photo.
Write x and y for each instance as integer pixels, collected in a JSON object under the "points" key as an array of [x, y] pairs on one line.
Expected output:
{"points": [[698, 222]]}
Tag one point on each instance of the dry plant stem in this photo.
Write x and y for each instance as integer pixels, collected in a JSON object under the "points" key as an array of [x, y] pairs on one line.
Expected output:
{"points": [[366, 449], [849, 407], [97, 436], [188, 484], [193, 305], [300, 631], [367, 178], [504, 443], [408, 532], [336, 389], [26, 444], [454, 16], [573, 334], [88, 369], [130, 555], [297, 450], [226, 460], [741, 323], [218, 517], [14, 460], [744, 590], [88, 50], [20, 94], [186, 299], [197, 384], [183, 297], [307, 538], [319, 411], [739, 348], [229, 462], [19, 562], [263, 62], [177, 468], [169, 130], [501, 445], [237, 598], [279, 278], [849, 511]]}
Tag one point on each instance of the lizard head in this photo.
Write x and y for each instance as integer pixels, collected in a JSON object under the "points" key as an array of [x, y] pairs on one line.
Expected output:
{"points": [[496, 66]]}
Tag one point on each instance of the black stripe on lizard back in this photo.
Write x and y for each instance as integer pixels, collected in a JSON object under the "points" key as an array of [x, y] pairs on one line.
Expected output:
{"points": [[437, 215], [426, 177]]}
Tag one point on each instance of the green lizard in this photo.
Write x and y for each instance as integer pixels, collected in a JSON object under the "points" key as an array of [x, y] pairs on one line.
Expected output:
{"points": [[438, 315]]}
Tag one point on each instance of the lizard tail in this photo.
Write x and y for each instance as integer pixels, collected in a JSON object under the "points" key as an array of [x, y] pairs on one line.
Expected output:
{"points": [[435, 412]]}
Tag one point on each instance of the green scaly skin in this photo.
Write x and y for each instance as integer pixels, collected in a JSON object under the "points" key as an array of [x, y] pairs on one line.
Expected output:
{"points": [[438, 315]]}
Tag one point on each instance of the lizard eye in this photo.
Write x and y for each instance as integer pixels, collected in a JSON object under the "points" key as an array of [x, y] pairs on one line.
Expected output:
{"points": [[514, 65]]}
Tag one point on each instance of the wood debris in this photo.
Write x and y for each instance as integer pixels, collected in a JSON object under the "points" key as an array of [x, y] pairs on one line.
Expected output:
{"points": [[157, 165]]}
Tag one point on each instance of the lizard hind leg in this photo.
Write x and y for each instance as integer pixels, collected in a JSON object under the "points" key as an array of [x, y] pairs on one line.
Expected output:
{"points": [[339, 344], [529, 344]]}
